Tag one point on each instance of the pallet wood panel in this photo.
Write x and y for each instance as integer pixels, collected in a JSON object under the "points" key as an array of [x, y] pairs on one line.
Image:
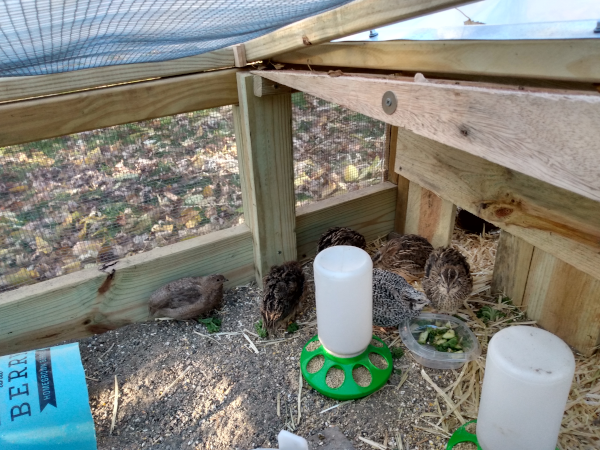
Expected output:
{"points": [[511, 269], [552, 137], [359, 15], [429, 216], [14, 88], [264, 87], [266, 155], [564, 300], [576, 60], [557, 221], [369, 211], [89, 302], [44, 118]]}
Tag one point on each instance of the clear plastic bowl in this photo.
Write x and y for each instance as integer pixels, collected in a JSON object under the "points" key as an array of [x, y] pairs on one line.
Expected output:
{"points": [[428, 355]]}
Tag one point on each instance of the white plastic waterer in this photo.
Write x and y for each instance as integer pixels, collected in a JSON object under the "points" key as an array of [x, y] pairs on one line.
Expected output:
{"points": [[289, 441], [528, 376], [344, 296]]}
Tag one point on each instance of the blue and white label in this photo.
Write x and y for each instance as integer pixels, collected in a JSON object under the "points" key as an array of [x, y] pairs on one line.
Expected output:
{"points": [[44, 401]]}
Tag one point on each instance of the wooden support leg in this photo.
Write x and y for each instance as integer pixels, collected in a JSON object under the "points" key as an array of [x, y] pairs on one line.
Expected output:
{"points": [[429, 216], [264, 142], [513, 258], [564, 301]]}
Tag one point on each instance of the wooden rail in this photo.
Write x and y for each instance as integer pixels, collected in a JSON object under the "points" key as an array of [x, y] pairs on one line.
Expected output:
{"points": [[550, 136], [88, 302], [573, 60], [44, 118]]}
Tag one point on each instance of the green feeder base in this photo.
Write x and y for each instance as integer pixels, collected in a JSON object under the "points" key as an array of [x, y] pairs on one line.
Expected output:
{"points": [[349, 389], [462, 435]]}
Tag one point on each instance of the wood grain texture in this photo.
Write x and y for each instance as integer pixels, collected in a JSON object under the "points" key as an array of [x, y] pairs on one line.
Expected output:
{"points": [[511, 268], [13, 88], [71, 306], [360, 15], [44, 118], [554, 59], [369, 211], [557, 221], [401, 204], [564, 301], [391, 140], [263, 87], [429, 216], [266, 155], [239, 55], [552, 137]]}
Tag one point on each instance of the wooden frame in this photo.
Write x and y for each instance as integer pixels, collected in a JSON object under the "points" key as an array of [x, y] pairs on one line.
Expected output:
{"points": [[551, 136], [90, 301], [572, 60]]}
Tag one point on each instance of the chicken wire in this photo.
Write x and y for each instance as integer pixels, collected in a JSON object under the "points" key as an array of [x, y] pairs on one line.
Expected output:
{"points": [[336, 150], [91, 198], [94, 197]]}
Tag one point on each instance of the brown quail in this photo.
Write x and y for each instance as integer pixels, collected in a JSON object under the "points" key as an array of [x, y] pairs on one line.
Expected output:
{"points": [[341, 236], [405, 255], [187, 298], [447, 280], [282, 290]]}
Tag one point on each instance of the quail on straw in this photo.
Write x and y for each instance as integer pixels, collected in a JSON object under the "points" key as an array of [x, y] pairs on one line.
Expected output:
{"points": [[447, 281], [405, 255], [341, 236], [187, 298]]}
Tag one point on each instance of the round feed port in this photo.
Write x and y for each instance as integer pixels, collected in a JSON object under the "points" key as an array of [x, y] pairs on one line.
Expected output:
{"points": [[378, 361], [315, 364], [312, 346], [335, 377], [361, 376]]}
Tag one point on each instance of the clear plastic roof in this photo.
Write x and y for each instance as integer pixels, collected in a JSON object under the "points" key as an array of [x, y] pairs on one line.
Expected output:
{"points": [[499, 19]]}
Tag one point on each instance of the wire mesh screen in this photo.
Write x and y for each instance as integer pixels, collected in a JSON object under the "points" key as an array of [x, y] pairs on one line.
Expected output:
{"points": [[41, 37], [335, 150], [94, 197]]}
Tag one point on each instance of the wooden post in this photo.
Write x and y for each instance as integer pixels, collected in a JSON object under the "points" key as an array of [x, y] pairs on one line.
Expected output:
{"points": [[429, 216], [564, 301], [513, 258], [391, 134], [263, 127]]}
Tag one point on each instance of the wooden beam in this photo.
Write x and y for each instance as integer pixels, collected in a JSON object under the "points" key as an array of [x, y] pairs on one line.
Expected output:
{"points": [[550, 136], [369, 211], [44, 118], [239, 55], [557, 221], [429, 216], [564, 300], [264, 87], [576, 60], [89, 302], [14, 88], [391, 139], [401, 205], [511, 269], [359, 15], [267, 177]]}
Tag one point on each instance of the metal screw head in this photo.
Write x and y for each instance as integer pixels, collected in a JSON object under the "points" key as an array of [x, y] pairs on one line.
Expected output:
{"points": [[389, 102]]}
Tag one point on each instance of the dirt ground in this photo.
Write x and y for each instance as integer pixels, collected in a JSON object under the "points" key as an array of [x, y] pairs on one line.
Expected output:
{"points": [[227, 398]]}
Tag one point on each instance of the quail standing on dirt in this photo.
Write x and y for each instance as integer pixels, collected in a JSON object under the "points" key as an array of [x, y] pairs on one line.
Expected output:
{"points": [[394, 299], [282, 290], [187, 298], [405, 255], [447, 280], [341, 236]]}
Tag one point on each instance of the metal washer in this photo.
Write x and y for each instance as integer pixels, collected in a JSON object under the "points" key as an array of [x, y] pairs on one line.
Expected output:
{"points": [[389, 102]]}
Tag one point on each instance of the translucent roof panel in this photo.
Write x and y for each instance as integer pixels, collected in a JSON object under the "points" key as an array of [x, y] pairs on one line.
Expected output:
{"points": [[499, 19]]}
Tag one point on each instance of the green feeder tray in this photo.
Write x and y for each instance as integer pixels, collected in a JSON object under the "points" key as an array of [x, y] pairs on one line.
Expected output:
{"points": [[462, 435], [349, 389]]}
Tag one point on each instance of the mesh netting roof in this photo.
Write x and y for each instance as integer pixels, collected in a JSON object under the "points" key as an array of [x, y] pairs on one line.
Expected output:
{"points": [[39, 37]]}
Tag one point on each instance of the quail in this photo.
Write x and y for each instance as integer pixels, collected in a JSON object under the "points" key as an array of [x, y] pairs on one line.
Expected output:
{"points": [[394, 299], [405, 255], [447, 281], [283, 287], [341, 236], [187, 298]]}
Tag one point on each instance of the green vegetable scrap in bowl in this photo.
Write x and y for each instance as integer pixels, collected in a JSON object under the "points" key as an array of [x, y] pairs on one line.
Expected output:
{"points": [[442, 337]]}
